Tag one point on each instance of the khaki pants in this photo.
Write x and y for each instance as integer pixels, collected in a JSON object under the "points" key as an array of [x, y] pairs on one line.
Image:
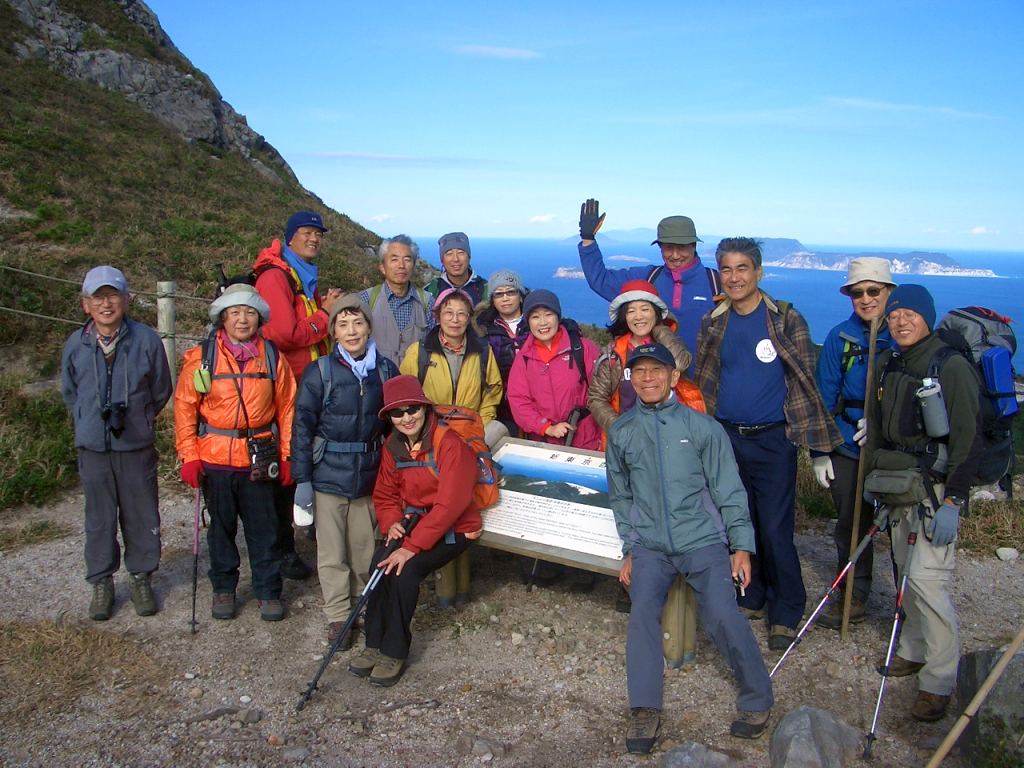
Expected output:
{"points": [[346, 532], [929, 634]]}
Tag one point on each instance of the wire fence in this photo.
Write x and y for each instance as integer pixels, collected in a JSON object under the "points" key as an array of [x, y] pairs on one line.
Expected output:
{"points": [[155, 294]]}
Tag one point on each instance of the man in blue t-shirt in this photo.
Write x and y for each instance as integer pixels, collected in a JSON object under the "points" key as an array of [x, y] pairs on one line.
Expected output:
{"points": [[755, 368], [683, 283]]}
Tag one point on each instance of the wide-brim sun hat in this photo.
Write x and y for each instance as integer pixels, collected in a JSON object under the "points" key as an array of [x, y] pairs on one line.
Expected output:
{"points": [[636, 290], [401, 391], [240, 295], [677, 230], [867, 268]]}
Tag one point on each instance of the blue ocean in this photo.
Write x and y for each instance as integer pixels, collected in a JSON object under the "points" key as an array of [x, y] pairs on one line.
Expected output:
{"points": [[815, 293]]}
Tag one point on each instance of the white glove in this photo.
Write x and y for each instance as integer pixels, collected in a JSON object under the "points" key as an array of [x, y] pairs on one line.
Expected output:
{"points": [[823, 471], [860, 437]]}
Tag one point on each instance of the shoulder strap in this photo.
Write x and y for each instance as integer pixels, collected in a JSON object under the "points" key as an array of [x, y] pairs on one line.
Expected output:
{"points": [[324, 364], [485, 356], [270, 353], [654, 273], [714, 279], [296, 289], [576, 348], [423, 362], [374, 293], [784, 307]]}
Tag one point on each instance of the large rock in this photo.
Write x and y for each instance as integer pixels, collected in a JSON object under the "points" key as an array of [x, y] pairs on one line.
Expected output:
{"points": [[812, 738], [190, 105], [994, 736], [691, 755]]}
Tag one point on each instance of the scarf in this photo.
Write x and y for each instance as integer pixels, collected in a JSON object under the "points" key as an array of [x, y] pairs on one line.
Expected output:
{"points": [[677, 281], [307, 272], [242, 351], [361, 367], [107, 344]]}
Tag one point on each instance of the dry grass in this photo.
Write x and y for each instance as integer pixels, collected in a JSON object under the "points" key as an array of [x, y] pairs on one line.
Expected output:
{"points": [[993, 524], [47, 667], [33, 533]]}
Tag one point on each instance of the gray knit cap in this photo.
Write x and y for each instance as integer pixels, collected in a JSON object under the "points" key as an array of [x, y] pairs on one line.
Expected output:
{"points": [[240, 295], [349, 301], [505, 278]]}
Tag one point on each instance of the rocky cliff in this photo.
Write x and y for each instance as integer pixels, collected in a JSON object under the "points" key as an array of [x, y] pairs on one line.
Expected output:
{"points": [[132, 55]]}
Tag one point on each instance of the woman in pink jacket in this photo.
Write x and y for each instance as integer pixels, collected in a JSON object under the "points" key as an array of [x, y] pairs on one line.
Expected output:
{"points": [[546, 391]]}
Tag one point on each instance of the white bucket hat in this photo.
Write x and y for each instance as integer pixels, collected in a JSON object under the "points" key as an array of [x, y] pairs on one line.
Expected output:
{"points": [[240, 295], [867, 268]]}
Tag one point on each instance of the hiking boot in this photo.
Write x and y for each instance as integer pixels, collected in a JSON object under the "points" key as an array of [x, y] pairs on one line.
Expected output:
{"points": [[750, 725], [102, 606], [223, 605], [584, 583], [141, 591], [752, 614], [387, 671], [623, 603], [900, 667], [780, 638], [644, 723], [333, 630], [362, 664], [271, 610], [929, 707], [833, 617], [292, 567]]}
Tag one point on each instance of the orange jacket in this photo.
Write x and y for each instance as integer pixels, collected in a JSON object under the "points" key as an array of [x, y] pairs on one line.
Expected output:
{"points": [[222, 409]]}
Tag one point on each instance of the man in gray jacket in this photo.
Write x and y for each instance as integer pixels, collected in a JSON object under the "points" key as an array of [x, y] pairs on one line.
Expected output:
{"points": [[115, 380], [680, 508]]}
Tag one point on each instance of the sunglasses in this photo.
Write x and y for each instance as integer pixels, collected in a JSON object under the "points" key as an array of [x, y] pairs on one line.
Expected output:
{"points": [[409, 410], [858, 293]]}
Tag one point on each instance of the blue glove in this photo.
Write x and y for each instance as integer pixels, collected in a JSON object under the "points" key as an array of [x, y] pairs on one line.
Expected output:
{"points": [[304, 495], [947, 521]]}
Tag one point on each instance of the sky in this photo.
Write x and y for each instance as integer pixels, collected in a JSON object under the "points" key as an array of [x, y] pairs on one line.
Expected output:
{"points": [[846, 122]]}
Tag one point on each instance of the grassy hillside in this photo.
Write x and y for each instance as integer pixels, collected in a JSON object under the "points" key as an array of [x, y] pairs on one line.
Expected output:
{"points": [[105, 182]]}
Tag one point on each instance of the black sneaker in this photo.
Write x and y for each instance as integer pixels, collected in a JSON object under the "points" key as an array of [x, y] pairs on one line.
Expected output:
{"points": [[293, 568], [750, 725], [644, 724], [141, 590], [102, 606]]}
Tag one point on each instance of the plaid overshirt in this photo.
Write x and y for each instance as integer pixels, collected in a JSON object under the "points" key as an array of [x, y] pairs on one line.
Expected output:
{"points": [[808, 422]]}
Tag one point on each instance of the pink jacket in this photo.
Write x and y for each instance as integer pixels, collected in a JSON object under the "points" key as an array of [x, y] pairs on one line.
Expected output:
{"points": [[542, 394]]}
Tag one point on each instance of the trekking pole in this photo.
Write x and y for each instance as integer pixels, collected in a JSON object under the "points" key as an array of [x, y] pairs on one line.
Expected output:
{"points": [[876, 526], [195, 565], [911, 543], [573, 421], [979, 699], [861, 463], [364, 597]]}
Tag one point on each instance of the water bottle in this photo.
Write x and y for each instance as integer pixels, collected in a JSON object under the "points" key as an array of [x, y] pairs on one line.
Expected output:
{"points": [[933, 408]]}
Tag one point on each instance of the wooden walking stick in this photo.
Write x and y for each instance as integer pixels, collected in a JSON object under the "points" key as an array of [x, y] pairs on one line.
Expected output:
{"points": [[976, 702], [858, 501]]}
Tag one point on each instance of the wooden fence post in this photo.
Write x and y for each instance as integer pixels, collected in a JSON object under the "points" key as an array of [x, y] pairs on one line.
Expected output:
{"points": [[165, 326]]}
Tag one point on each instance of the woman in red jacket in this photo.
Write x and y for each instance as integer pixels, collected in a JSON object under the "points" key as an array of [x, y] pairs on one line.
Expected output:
{"points": [[438, 485]]}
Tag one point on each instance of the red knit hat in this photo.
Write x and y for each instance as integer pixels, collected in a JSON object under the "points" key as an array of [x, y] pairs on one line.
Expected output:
{"points": [[636, 290], [402, 391]]}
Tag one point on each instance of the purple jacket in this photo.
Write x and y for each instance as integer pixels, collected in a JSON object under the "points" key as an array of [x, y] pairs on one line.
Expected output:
{"points": [[541, 394]]}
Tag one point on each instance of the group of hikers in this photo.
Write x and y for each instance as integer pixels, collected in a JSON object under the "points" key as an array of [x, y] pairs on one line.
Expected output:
{"points": [[325, 401]]}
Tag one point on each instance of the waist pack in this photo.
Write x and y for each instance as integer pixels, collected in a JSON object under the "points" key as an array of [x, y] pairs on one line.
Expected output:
{"points": [[896, 487]]}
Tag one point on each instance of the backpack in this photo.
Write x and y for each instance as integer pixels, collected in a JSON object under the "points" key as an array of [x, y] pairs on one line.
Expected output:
{"points": [[386, 371], [423, 363], [575, 348], [469, 427], [714, 278], [204, 374], [375, 292]]}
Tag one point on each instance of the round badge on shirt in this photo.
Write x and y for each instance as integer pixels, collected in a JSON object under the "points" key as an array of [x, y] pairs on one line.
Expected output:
{"points": [[765, 351]]}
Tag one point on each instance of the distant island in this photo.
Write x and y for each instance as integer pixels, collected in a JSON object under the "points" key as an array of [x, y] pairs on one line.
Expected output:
{"points": [[574, 273]]}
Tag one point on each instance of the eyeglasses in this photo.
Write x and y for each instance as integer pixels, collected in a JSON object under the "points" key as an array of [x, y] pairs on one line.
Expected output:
{"points": [[505, 294], [455, 314], [901, 316], [113, 298], [409, 410], [858, 293]]}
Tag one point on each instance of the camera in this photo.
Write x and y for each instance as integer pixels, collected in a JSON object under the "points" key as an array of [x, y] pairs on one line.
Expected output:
{"points": [[113, 414], [264, 465]]}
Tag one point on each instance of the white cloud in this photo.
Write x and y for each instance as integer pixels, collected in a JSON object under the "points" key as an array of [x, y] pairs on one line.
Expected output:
{"points": [[547, 218], [496, 53], [392, 161], [933, 230], [380, 218], [984, 231], [884, 106]]}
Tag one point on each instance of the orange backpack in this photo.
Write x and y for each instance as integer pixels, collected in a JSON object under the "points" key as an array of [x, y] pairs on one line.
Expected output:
{"points": [[468, 425]]}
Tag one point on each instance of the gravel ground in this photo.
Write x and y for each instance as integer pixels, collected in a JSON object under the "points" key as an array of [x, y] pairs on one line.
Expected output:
{"points": [[542, 681]]}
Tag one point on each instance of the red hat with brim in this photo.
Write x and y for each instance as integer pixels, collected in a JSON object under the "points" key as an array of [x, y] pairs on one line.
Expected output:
{"points": [[402, 391], [636, 290]]}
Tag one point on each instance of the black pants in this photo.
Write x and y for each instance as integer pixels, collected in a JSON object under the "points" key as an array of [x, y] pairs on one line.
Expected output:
{"points": [[392, 604], [284, 500], [844, 490], [230, 496]]}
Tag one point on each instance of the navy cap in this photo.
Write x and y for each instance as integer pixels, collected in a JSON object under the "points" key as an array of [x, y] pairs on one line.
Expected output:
{"points": [[912, 297], [654, 351], [302, 219]]}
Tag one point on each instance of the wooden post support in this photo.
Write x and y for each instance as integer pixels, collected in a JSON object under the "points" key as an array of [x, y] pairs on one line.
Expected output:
{"points": [[463, 593], [679, 624], [165, 321], [445, 585]]}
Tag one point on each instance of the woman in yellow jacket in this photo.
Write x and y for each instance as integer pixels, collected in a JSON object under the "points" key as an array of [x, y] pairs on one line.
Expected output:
{"points": [[233, 411], [456, 366]]}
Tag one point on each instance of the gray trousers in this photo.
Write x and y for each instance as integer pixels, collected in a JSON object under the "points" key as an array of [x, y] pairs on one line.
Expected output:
{"points": [[709, 572], [120, 488]]}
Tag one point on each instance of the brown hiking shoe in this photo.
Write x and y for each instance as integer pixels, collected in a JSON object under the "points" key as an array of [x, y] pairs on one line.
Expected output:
{"points": [[781, 637], [900, 667], [929, 707], [223, 605], [387, 671], [102, 606], [644, 723], [334, 629], [833, 617], [750, 613], [271, 610], [141, 591], [750, 725], [362, 664]]}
